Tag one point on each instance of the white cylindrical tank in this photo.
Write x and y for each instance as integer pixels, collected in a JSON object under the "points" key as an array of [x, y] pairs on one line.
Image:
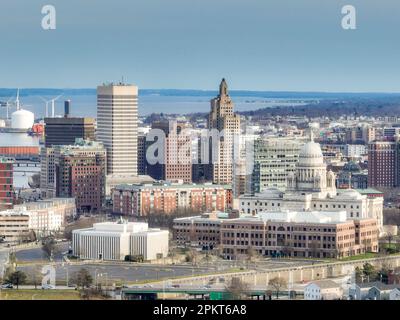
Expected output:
{"points": [[22, 119]]}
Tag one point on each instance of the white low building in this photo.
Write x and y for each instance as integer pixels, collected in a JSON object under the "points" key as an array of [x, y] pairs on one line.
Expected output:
{"points": [[49, 215], [115, 241], [323, 290]]}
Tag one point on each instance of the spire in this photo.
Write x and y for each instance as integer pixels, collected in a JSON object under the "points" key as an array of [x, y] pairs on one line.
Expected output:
{"points": [[311, 135], [223, 88]]}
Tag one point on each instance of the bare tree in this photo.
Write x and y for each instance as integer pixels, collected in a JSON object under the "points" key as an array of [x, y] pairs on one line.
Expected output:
{"points": [[389, 238], [50, 248], [251, 256], [237, 288], [36, 277], [192, 256], [314, 248], [287, 248], [277, 283]]}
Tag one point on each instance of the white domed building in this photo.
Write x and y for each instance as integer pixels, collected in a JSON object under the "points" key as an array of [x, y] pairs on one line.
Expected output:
{"points": [[311, 174], [312, 188], [22, 119]]}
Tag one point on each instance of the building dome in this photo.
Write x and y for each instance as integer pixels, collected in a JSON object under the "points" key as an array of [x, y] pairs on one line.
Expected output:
{"points": [[311, 154], [22, 119]]}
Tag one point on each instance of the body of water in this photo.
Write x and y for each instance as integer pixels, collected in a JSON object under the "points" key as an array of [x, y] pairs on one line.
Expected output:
{"points": [[86, 105]]}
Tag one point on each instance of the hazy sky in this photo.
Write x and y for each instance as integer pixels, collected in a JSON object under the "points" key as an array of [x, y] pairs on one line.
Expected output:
{"points": [[296, 45]]}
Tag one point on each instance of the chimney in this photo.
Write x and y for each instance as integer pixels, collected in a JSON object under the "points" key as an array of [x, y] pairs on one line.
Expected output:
{"points": [[67, 106]]}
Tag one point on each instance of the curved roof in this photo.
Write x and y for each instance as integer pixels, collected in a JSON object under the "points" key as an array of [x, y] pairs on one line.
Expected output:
{"points": [[311, 153]]}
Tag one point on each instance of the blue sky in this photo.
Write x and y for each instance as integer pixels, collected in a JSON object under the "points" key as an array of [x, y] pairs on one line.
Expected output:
{"points": [[294, 45]]}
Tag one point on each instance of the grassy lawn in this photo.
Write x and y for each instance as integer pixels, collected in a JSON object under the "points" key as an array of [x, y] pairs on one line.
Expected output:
{"points": [[39, 294]]}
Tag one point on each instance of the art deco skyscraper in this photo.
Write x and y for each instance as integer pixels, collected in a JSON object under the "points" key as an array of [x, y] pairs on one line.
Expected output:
{"points": [[117, 129], [222, 118]]}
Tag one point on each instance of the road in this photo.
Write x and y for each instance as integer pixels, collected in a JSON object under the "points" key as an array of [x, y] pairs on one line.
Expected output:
{"points": [[37, 254]]}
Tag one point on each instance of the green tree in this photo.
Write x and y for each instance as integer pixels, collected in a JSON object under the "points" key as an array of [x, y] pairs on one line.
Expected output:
{"points": [[369, 271], [17, 278]]}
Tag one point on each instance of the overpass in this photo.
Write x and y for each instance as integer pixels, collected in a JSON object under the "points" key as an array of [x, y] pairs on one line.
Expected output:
{"points": [[210, 292]]}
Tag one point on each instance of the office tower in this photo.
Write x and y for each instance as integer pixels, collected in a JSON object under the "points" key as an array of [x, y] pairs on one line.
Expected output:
{"points": [[141, 154], [177, 153], [80, 173], [67, 108], [60, 131], [244, 165], [64, 131], [6, 183], [117, 129], [352, 176], [382, 164], [360, 134], [223, 119], [47, 172], [274, 159]]}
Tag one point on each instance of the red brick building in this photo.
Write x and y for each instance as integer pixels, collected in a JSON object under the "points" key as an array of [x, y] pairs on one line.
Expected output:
{"points": [[6, 184], [295, 234], [144, 199], [382, 164], [80, 173]]}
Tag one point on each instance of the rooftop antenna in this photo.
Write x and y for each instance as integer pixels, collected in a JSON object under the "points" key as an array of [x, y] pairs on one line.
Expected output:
{"points": [[17, 102], [8, 104], [311, 135]]}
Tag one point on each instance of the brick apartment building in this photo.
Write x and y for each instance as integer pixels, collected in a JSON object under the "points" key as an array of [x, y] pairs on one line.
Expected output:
{"points": [[80, 173], [170, 198], [6, 183]]}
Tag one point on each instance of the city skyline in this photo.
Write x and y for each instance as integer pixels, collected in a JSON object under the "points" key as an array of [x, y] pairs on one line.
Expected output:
{"points": [[257, 46]]}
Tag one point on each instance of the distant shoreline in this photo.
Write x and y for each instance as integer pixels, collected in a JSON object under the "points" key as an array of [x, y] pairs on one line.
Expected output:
{"points": [[8, 92]]}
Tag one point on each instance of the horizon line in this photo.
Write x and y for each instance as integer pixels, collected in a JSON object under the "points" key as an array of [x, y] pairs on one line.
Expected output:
{"points": [[214, 90]]}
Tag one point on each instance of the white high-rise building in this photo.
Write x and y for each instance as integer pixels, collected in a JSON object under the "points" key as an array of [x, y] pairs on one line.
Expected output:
{"points": [[117, 128]]}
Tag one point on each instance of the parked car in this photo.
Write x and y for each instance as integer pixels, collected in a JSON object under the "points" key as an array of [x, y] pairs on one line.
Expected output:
{"points": [[48, 287], [7, 286]]}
